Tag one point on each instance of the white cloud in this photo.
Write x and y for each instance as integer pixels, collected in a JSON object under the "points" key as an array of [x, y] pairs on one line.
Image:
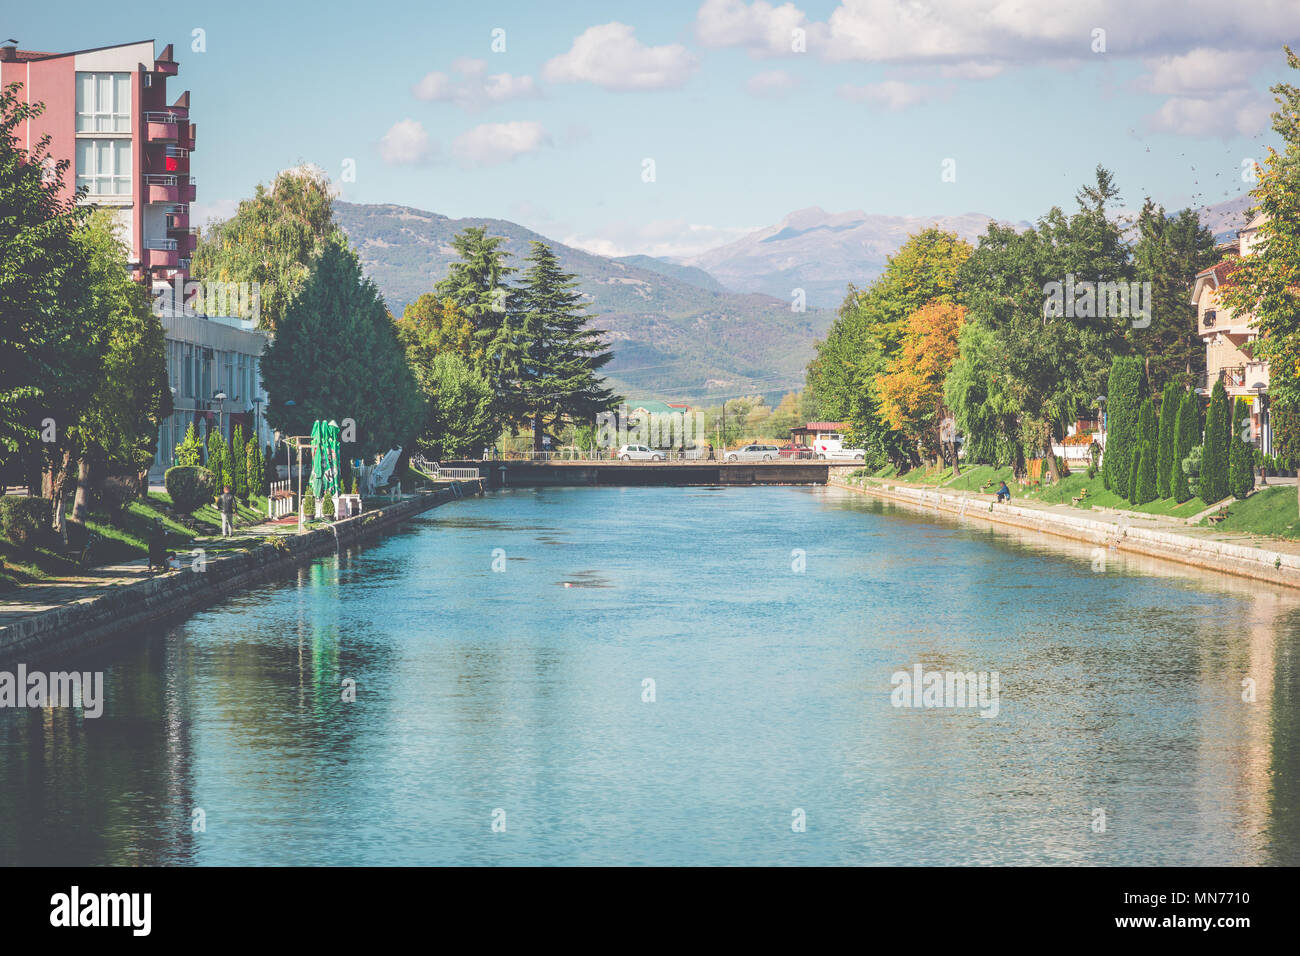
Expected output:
{"points": [[1200, 71], [475, 88], [771, 83], [494, 143], [996, 31], [663, 237], [407, 143], [893, 95], [1242, 112], [761, 28], [611, 56]]}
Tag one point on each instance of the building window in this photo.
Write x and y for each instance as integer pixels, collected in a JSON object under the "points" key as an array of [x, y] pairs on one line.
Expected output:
{"points": [[103, 102], [104, 166]]}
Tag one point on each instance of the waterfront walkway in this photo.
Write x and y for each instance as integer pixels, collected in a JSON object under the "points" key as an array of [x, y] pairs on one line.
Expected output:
{"points": [[1274, 559], [92, 583]]}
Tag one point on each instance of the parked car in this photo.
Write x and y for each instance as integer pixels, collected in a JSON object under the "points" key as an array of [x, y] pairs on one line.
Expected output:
{"points": [[697, 451], [795, 451], [754, 453], [639, 453], [833, 448]]}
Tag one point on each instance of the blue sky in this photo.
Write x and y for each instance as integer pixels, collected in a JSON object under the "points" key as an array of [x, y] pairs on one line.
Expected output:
{"points": [[553, 131]]}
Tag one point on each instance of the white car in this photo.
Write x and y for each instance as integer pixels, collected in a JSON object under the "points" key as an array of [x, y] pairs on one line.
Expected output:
{"points": [[832, 448], [639, 453], [755, 453]]}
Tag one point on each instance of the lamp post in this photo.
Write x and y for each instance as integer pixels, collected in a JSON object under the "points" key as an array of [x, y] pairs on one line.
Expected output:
{"points": [[257, 420], [1258, 388], [220, 396]]}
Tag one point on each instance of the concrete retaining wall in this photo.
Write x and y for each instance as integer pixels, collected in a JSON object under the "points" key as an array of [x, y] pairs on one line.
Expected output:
{"points": [[1261, 564], [128, 607]]}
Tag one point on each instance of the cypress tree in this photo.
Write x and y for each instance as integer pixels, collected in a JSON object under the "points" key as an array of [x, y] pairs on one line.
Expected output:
{"points": [[1135, 474], [1146, 482], [1188, 430], [1167, 440], [1145, 435], [1214, 458], [255, 468], [1123, 401], [239, 464]]}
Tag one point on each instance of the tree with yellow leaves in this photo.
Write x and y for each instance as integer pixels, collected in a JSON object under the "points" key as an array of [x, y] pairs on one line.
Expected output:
{"points": [[911, 387]]}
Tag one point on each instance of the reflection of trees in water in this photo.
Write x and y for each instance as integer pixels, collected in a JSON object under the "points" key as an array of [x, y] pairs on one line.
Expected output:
{"points": [[1284, 740], [113, 790]]}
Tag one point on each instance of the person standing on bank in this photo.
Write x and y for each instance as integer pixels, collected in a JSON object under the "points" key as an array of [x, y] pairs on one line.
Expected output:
{"points": [[226, 504]]}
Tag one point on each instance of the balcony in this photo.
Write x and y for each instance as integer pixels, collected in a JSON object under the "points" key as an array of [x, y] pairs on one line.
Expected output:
{"points": [[176, 160], [178, 218], [170, 189], [160, 254], [1226, 322], [1248, 379], [163, 127]]}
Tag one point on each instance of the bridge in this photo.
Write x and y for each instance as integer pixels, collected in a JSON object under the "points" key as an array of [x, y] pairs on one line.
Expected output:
{"points": [[523, 473]]}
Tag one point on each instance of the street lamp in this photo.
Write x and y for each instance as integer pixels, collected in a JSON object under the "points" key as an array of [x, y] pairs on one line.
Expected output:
{"points": [[220, 396]]}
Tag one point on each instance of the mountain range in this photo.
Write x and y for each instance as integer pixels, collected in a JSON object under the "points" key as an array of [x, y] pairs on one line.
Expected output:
{"points": [[675, 331], [700, 328]]}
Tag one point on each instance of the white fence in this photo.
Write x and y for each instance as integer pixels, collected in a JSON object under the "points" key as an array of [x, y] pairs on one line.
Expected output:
{"points": [[437, 472], [280, 501]]}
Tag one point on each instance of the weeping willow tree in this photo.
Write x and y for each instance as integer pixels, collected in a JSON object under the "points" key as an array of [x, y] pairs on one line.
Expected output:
{"points": [[271, 240]]}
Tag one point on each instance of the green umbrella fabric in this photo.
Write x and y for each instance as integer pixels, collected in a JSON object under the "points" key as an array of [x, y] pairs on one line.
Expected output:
{"points": [[331, 443], [317, 458]]}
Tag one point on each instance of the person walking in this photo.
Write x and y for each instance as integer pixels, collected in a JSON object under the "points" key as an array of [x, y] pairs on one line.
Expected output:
{"points": [[226, 504]]}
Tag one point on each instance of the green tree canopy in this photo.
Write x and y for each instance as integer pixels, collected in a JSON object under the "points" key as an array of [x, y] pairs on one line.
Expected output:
{"points": [[272, 239], [336, 355]]}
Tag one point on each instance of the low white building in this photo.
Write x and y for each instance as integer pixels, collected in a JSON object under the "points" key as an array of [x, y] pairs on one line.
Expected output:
{"points": [[213, 368]]}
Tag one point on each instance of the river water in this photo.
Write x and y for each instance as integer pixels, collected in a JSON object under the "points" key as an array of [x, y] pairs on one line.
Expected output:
{"points": [[683, 675]]}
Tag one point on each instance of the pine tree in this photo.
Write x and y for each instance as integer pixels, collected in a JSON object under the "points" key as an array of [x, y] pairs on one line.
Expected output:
{"points": [[239, 464], [1214, 458], [563, 352], [1167, 439], [335, 355], [1188, 432]]}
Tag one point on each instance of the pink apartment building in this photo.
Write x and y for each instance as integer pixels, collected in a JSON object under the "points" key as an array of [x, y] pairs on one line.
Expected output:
{"points": [[107, 111]]}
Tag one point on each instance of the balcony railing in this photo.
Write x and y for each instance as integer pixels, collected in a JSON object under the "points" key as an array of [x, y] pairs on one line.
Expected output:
{"points": [[167, 244]]}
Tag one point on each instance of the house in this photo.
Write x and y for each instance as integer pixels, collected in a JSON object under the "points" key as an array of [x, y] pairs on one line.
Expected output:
{"points": [[815, 431], [1230, 339]]}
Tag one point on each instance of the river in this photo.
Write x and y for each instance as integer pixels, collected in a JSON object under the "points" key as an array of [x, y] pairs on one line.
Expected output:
{"points": [[683, 676]]}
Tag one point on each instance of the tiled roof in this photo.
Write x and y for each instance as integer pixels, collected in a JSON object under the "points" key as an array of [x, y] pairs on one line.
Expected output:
{"points": [[1220, 270], [825, 426], [22, 56]]}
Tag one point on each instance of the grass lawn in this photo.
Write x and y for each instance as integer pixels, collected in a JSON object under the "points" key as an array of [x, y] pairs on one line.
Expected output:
{"points": [[123, 539], [1270, 511], [1069, 487]]}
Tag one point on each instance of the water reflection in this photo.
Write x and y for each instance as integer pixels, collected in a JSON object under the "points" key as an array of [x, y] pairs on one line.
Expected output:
{"points": [[478, 689]]}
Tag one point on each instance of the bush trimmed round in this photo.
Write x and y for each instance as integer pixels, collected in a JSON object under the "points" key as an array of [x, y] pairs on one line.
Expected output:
{"points": [[190, 487]]}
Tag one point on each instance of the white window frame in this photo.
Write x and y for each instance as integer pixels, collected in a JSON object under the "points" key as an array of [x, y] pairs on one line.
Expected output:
{"points": [[113, 116], [117, 179]]}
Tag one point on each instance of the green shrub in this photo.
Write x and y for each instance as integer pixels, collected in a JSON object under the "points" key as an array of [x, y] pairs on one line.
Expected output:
{"points": [[1167, 439], [308, 505], [189, 453], [239, 464], [24, 521], [327, 506], [116, 492], [1187, 427], [189, 487]]}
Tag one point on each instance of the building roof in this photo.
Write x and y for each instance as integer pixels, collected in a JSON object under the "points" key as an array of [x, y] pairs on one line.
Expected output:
{"points": [[655, 408], [23, 56], [822, 427]]}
